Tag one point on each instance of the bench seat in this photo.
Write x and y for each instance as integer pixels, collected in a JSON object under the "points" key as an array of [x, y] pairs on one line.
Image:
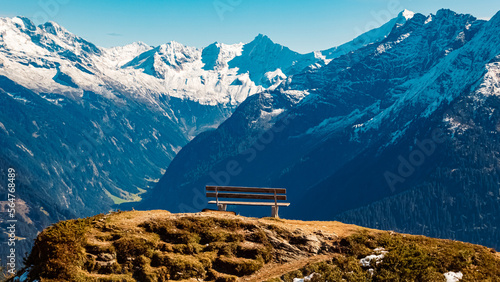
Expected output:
{"points": [[249, 193], [249, 203]]}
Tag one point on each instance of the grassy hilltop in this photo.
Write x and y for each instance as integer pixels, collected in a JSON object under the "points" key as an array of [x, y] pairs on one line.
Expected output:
{"points": [[220, 246]]}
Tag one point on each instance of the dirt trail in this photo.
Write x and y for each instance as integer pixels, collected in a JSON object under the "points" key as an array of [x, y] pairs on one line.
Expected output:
{"points": [[274, 270]]}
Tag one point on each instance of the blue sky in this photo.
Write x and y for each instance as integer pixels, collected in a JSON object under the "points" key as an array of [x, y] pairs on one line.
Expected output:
{"points": [[303, 26]]}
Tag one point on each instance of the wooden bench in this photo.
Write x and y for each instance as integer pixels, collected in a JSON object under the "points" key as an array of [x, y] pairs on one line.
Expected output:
{"points": [[277, 194]]}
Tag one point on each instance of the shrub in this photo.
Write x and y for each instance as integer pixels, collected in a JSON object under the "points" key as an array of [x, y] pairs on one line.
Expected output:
{"points": [[237, 266], [132, 247]]}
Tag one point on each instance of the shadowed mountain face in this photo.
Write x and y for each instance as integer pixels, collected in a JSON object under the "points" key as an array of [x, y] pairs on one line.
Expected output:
{"points": [[81, 157], [400, 134]]}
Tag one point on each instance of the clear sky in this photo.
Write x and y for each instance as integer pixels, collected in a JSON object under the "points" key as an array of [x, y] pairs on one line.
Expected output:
{"points": [[303, 26]]}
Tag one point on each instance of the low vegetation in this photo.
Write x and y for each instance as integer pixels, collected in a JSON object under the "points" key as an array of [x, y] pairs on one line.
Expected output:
{"points": [[159, 246], [406, 258]]}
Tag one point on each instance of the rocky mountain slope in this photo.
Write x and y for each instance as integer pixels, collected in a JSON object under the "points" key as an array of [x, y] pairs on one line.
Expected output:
{"points": [[220, 246], [401, 134]]}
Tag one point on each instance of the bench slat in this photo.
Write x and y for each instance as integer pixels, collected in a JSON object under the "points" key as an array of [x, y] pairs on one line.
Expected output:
{"points": [[246, 196], [250, 203], [247, 189]]}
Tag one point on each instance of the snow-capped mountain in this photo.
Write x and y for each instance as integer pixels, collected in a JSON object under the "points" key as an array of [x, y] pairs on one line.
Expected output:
{"points": [[88, 127], [264, 61], [399, 134], [64, 63]]}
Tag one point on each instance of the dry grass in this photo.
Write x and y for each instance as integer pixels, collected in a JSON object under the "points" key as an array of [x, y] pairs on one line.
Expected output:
{"points": [[408, 258], [332, 227], [215, 246]]}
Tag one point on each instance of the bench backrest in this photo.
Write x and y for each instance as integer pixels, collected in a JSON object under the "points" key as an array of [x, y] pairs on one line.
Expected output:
{"points": [[245, 193]]}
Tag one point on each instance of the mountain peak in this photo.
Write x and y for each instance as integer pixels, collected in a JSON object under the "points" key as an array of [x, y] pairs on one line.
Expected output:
{"points": [[495, 18], [407, 14], [371, 36], [445, 13], [216, 44], [139, 44], [24, 22], [50, 27], [172, 45], [54, 28], [262, 39]]}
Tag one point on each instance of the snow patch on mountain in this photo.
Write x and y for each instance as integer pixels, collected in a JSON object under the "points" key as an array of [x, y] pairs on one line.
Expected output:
{"points": [[455, 126], [295, 96], [407, 14], [265, 119], [491, 82], [331, 125], [383, 47], [429, 19], [274, 78]]}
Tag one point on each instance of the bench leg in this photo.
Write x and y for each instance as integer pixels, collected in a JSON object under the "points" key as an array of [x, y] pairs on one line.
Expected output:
{"points": [[275, 211], [221, 207]]}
